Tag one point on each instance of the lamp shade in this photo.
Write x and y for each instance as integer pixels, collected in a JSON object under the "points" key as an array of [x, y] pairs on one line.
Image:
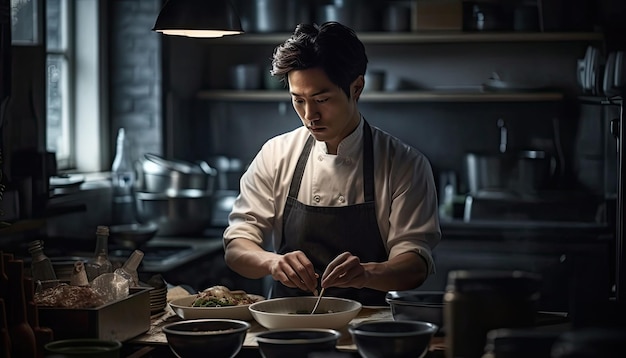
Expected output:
{"points": [[198, 18]]}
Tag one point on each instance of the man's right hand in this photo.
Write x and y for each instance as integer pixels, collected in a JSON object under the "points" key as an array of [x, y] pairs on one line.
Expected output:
{"points": [[295, 270]]}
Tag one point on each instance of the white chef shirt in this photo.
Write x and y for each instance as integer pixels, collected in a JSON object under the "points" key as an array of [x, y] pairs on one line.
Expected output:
{"points": [[406, 200]]}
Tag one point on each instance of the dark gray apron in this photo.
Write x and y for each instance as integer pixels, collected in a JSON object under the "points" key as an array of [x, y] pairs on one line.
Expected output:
{"points": [[322, 233]]}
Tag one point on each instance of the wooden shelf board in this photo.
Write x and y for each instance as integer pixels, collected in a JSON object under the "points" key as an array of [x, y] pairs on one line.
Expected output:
{"points": [[400, 96], [425, 37]]}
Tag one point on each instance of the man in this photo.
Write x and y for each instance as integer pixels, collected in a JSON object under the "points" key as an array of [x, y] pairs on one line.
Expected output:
{"points": [[337, 203]]}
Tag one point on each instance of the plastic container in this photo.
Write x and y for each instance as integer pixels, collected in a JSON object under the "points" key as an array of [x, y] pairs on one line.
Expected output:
{"points": [[120, 320]]}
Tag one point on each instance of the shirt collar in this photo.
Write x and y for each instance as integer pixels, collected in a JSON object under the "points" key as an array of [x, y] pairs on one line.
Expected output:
{"points": [[350, 146]]}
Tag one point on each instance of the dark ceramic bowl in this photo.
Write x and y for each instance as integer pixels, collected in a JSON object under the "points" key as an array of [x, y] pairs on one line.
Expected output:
{"points": [[413, 305], [221, 338], [297, 342], [392, 339], [84, 347]]}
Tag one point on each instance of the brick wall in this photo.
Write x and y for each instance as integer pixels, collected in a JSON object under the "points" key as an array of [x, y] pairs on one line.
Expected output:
{"points": [[135, 74]]}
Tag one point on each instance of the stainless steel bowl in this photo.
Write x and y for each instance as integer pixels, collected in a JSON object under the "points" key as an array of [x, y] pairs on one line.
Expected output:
{"points": [[159, 175], [183, 212]]}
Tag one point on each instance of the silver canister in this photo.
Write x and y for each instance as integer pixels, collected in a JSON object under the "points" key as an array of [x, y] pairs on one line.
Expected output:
{"points": [[479, 301]]}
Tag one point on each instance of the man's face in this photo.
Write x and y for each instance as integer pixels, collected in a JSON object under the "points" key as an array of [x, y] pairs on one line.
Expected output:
{"points": [[323, 107]]}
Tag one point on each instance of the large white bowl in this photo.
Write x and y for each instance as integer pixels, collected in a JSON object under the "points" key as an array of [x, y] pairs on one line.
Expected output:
{"points": [[294, 312], [182, 307]]}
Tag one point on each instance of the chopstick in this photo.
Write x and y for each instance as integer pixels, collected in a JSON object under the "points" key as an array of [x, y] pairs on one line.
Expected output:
{"points": [[319, 298]]}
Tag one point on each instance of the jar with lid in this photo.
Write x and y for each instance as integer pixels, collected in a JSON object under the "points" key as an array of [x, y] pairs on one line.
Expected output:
{"points": [[99, 263], [478, 301]]}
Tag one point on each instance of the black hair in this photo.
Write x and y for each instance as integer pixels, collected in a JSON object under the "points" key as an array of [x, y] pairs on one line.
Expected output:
{"points": [[333, 47]]}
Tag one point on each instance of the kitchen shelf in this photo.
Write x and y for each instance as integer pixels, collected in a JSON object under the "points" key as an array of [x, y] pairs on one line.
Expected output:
{"points": [[393, 38], [399, 96]]}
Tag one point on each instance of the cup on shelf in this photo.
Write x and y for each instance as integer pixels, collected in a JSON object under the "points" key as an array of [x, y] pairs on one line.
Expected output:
{"points": [[245, 77], [374, 81], [271, 82]]}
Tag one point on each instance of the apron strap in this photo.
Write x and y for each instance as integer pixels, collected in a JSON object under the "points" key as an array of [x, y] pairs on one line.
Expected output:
{"points": [[294, 188], [368, 163]]}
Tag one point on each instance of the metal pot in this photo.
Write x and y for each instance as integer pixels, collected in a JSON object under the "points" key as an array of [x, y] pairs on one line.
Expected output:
{"points": [[487, 171], [160, 175], [183, 212], [523, 172]]}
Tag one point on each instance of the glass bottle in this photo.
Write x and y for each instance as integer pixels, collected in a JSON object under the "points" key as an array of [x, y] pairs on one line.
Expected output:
{"points": [[122, 182], [41, 266], [129, 269], [99, 263]]}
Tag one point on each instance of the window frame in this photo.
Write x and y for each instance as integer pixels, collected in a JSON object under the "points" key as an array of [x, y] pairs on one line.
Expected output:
{"points": [[88, 102]]}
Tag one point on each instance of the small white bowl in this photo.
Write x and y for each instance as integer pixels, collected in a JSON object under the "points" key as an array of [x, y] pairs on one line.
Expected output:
{"points": [[294, 312]]}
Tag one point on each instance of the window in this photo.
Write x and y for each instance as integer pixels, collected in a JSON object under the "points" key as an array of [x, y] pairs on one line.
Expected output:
{"points": [[75, 68], [58, 73]]}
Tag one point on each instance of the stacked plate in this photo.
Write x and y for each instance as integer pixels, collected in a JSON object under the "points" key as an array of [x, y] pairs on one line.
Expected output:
{"points": [[158, 299]]}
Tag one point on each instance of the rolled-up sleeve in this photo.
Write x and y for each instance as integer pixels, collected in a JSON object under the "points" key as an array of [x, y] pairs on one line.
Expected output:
{"points": [[408, 215]]}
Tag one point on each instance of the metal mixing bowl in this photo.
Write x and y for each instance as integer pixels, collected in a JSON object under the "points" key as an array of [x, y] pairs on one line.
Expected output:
{"points": [[159, 175]]}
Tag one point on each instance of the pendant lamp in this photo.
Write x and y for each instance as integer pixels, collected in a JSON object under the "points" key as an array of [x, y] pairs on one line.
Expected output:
{"points": [[198, 18]]}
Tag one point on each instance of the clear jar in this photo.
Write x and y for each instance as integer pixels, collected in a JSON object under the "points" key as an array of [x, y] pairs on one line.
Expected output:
{"points": [[479, 301]]}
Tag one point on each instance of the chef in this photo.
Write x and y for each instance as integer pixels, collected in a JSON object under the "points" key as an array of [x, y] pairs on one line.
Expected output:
{"points": [[336, 203]]}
